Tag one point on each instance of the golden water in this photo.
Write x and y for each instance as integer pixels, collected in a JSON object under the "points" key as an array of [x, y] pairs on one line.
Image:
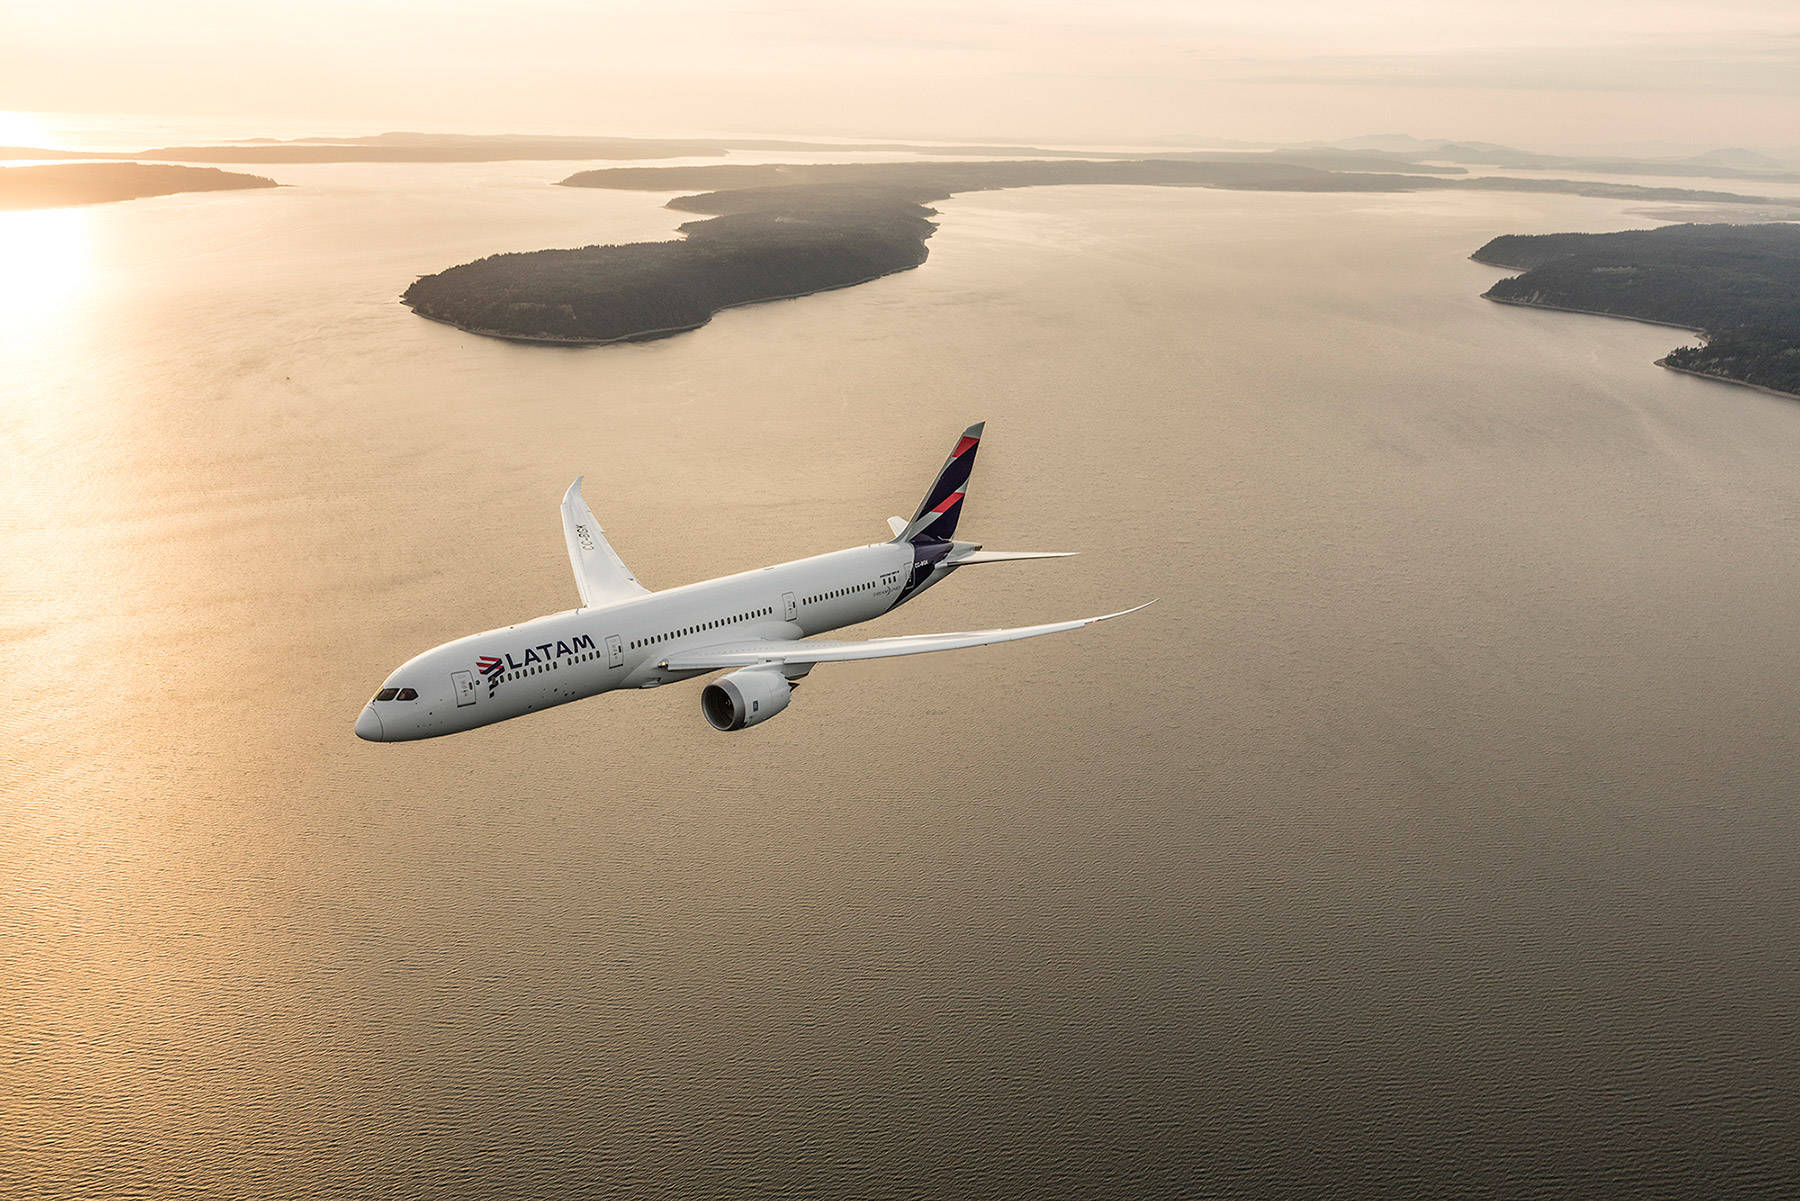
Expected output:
{"points": [[1436, 831]]}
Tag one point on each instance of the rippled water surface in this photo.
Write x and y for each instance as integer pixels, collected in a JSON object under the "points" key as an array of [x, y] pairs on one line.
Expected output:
{"points": [[1434, 835]]}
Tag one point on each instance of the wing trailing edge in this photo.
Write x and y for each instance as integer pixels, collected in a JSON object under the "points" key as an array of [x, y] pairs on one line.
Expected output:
{"points": [[751, 652]]}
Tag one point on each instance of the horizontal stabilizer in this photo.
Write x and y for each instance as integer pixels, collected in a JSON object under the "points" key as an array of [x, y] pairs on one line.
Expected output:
{"points": [[1005, 556], [898, 525], [750, 652]]}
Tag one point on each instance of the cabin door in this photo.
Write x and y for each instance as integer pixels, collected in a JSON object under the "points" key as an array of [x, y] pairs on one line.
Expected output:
{"points": [[464, 687], [615, 651], [787, 606]]}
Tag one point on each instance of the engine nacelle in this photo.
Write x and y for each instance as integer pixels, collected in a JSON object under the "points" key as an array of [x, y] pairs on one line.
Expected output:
{"points": [[745, 697]]}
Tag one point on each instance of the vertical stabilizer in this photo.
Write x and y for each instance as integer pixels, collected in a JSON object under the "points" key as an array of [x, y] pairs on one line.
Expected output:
{"points": [[936, 518]]}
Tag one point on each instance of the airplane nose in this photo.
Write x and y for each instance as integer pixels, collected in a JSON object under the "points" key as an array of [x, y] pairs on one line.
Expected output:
{"points": [[368, 726]]}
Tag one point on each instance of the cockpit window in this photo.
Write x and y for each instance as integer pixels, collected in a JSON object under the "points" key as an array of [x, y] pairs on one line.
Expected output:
{"points": [[407, 694], [386, 694]]}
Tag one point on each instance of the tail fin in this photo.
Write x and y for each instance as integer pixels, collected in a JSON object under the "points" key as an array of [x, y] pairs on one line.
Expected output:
{"points": [[942, 505]]}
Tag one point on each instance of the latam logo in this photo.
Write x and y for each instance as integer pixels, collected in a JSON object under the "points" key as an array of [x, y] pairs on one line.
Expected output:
{"points": [[494, 669]]}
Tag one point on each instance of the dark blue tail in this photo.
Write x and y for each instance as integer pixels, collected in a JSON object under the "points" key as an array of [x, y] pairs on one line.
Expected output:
{"points": [[936, 518]]}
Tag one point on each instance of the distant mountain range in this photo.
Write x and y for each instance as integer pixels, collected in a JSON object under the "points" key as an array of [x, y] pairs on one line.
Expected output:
{"points": [[1389, 153], [1730, 162]]}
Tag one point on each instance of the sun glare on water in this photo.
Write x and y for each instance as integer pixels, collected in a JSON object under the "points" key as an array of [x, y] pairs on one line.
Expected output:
{"points": [[25, 129], [44, 265], [43, 252]]}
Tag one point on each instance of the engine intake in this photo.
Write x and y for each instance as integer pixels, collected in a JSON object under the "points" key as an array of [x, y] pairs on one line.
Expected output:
{"points": [[745, 697]]}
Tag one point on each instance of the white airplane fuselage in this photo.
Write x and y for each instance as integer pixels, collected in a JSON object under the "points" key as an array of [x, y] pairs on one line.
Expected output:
{"points": [[758, 624], [548, 661]]}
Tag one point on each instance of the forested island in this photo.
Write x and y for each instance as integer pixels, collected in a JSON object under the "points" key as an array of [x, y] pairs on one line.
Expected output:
{"points": [[56, 184], [1739, 285], [784, 230], [600, 294]]}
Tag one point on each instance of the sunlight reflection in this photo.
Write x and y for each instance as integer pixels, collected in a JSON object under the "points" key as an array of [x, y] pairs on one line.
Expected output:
{"points": [[25, 129], [45, 263]]}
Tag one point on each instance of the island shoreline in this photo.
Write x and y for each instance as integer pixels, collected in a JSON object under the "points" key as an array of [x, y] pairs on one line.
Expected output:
{"points": [[655, 335], [781, 231], [56, 185], [1734, 288], [1724, 379], [1561, 308], [1662, 362]]}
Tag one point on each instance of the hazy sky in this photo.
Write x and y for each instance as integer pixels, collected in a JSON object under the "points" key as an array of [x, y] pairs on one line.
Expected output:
{"points": [[1540, 72]]}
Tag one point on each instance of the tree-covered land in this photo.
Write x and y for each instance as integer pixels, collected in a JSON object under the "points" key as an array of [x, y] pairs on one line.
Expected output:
{"points": [[652, 289], [778, 232], [1765, 358], [57, 184], [936, 180], [783, 230], [1737, 284]]}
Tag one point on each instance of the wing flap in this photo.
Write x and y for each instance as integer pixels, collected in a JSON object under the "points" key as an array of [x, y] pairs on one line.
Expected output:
{"points": [[750, 652], [600, 575]]}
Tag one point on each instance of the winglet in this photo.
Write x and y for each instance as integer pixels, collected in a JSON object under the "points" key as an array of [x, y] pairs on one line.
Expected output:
{"points": [[600, 575]]}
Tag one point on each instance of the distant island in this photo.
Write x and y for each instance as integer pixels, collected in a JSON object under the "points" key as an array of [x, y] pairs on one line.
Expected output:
{"points": [[779, 231], [57, 184], [1383, 154], [1738, 285], [600, 294], [403, 147]]}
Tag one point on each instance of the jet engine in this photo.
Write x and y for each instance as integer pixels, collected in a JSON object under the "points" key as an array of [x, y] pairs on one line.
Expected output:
{"points": [[745, 697]]}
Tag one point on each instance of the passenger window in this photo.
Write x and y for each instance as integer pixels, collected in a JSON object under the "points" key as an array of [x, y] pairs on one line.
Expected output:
{"points": [[386, 694], [407, 694]]}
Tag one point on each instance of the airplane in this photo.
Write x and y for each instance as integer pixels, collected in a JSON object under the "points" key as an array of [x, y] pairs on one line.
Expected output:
{"points": [[758, 623]]}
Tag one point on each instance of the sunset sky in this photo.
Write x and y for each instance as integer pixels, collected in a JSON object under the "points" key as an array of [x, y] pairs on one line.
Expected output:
{"points": [[1538, 72]]}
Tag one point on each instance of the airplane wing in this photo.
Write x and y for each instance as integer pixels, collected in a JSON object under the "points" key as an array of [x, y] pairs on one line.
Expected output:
{"points": [[753, 651], [600, 574]]}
